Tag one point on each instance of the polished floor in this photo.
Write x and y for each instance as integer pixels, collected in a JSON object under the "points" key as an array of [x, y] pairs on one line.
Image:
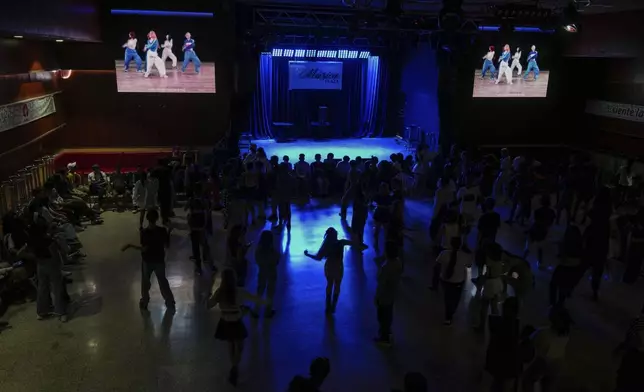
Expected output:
{"points": [[176, 82], [381, 147], [109, 345], [520, 88]]}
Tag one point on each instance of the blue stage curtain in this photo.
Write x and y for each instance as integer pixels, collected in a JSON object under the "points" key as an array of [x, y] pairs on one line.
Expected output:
{"points": [[260, 120], [355, 111]]}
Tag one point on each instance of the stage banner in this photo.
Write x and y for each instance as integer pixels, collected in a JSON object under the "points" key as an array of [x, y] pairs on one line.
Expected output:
{"points": [[20, 113], [622, 111], [315, 75]]}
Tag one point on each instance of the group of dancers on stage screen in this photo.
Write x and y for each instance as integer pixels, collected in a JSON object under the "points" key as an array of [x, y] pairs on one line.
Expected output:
{"points": [[152, 57], [505, 68]]}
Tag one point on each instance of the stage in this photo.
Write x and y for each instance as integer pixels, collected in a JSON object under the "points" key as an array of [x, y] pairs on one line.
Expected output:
{"points": [[381, 148], [530, 88], [176, 82]]}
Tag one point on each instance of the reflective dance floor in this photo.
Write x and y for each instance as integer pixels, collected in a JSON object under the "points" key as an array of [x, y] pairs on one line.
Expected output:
{"points": [[109, 345]]}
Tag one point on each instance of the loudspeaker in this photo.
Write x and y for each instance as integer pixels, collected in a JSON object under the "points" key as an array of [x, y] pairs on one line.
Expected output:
{"points": [[322, 115]]}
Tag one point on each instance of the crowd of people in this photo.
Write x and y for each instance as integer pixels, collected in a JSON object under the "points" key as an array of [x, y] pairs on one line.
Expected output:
{"points": [[466, 190]]}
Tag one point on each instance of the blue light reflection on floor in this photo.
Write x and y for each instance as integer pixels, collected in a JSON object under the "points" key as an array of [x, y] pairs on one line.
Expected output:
{"points": [[378, 147]]}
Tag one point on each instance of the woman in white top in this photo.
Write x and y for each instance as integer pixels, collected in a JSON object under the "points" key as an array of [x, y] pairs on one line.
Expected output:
{"points": [[152, 57], [231, 328], [550, 345], [145, 194], [454, 264], [167, 51]]}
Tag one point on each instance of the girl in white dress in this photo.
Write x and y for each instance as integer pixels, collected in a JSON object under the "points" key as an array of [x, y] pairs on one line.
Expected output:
{"points": [[167, 52], [152, 57]]}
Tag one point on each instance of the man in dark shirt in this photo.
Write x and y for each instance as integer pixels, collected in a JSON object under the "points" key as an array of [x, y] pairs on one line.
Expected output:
{"points": [[154, 240], [198, 211], [488, 226], [318, 371], [544, 217]]}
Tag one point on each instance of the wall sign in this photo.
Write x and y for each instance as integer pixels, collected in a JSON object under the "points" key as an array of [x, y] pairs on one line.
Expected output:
{"points": [[315, 75], [20, 113], [620, 111]]}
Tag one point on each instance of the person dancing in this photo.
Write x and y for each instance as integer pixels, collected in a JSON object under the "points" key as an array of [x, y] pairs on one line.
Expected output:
{"points": [[532, 63], [332, 250], [231, 328], [152, 57], [132, 54], [167, 52], [504, 67], [488, 63], [516, 63], [189, 54]]}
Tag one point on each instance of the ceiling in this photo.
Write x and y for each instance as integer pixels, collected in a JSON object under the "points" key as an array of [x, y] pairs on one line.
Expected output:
{"points": [[473, 7]]}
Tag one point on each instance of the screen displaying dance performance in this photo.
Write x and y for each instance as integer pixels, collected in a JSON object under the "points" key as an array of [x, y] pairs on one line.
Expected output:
{"points": [[511, 70], [162, 55]]}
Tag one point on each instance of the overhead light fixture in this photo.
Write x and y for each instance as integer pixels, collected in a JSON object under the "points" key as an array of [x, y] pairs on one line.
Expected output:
{"points": [[18, 36], [571, 28], [570, 18], [60, 40]]}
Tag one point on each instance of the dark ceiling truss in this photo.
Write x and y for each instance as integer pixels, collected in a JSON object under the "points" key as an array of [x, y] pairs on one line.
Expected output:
{"points": [[291, 19], [324, 41]]}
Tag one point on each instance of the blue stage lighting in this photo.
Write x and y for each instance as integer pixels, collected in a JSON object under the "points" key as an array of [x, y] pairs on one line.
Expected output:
{"points": [[332, 53], [321, 53], [163, 13], [489, 28], [299, 52], [364, 54], [277, 52], [353, 54], [289, 52], [311, 53], [343, 54], [521, 29]]}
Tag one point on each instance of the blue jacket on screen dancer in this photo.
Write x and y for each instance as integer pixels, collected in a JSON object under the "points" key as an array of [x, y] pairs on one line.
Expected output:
{"points": [[189, 54], [132, 54], [505, 57], [532, 63]]}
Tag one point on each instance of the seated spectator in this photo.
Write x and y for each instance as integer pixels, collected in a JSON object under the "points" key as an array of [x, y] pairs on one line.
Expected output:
{"points": [[286, 161], [303, 175], [319, 175], [98, 182], [318, 371], [342, 172], [73, 178]]}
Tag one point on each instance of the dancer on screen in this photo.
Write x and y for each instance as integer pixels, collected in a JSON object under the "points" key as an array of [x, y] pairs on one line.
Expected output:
{"points": [[189, 54], [488, 63], [131, 53], [516, 62], [152, 57], [167, 52], [504, 65], [532, 63]]}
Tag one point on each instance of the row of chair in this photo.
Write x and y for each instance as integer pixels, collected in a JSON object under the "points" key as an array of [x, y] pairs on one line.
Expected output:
{"points": [[17, 188]]}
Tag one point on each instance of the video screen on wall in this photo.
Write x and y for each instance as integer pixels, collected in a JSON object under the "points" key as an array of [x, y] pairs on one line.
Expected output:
{"points": [[162, 52], [514, 67]]}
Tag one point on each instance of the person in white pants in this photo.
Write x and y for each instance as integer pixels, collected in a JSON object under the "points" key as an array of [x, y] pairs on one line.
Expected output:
{"points": [[504, 65], [167, 52], [152, 57], [516, 63]]}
